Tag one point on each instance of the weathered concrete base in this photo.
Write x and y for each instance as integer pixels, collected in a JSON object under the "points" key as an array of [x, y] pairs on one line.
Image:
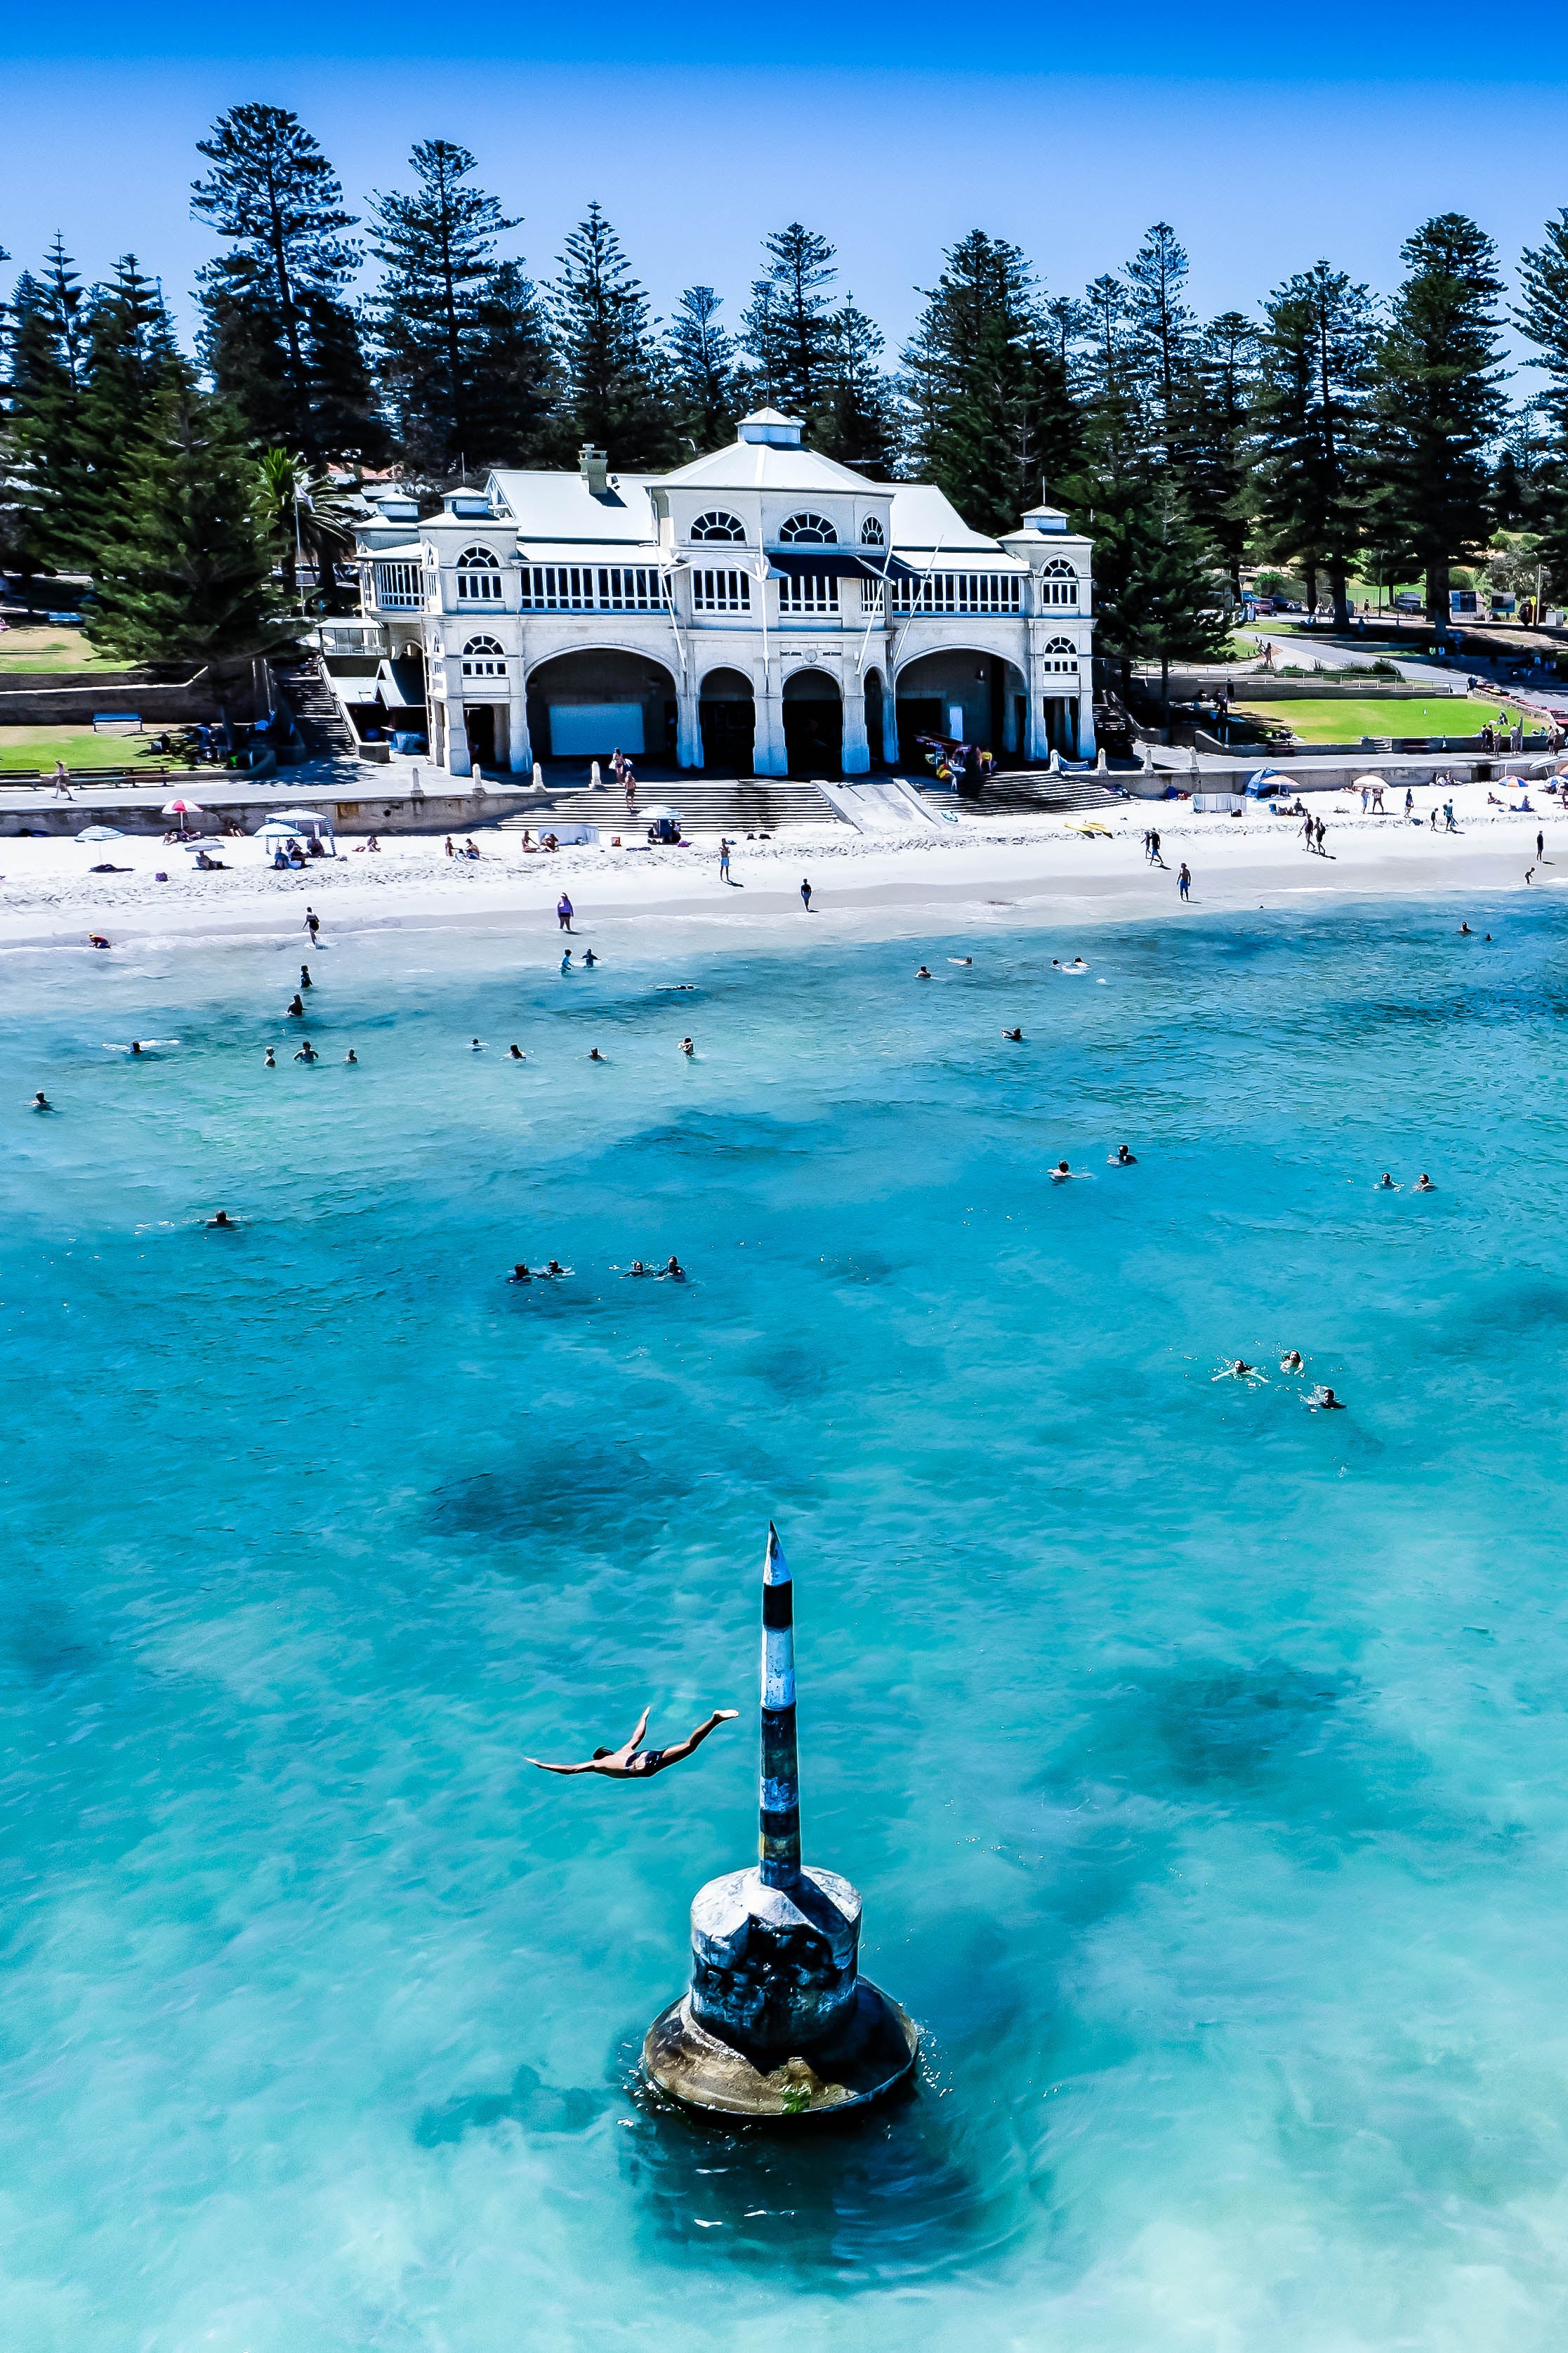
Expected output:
{"points": [[873, 2052]]}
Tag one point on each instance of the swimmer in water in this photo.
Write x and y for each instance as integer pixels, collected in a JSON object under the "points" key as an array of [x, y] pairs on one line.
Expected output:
{"points": [[477, 1046], [594, 1055], [1015, 1037], [566, 960], [305, 980], [923, 974], [515, 1054], [41, 1101], [1240, 1371], [136, 1045], [1466, 932], [961, 959], [222, 1217], [1061, 1173], [352, 1057], [1423, 1184], [1323, 1400], [297, 1009], [555, 1268], [1385, 1183], [1121, 1158], [307, 1052], [632, 1271], [674, 1271], [1290, 1362], [686, 1047], [519, 1273], [590, 960], [631, 1761], [269, 1059]]}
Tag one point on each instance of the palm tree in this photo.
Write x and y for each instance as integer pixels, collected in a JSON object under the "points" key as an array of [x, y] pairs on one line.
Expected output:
{"points": [[306, 517]]}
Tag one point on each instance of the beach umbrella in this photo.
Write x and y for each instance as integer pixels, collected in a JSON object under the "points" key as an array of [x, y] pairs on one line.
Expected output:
{"points": [[1373, 783], [101, 833], [299, 817], [183, 808], [660, 814]]}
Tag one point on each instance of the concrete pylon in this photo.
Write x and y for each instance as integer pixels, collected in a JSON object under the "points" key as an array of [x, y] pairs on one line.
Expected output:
{"points": [[777, 2021]]}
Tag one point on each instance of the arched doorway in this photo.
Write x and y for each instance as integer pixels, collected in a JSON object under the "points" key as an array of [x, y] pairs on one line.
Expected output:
{"points": [[584, 706], [813, 723], [963, 693], [727, 712]]}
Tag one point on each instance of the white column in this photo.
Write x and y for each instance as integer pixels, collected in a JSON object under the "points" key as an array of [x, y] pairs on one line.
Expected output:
{"points": [[769, 757], [857, 752], [521, 762], [687, 724], [1087, 746]]}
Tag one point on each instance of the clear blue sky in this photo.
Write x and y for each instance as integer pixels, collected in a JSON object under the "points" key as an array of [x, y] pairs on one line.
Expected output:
{"points": [[1268, 141]]}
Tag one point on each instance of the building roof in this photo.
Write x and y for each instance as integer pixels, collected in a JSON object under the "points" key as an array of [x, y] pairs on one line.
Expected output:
{"points": [[561, 507], [767, 466], [925, 517]]}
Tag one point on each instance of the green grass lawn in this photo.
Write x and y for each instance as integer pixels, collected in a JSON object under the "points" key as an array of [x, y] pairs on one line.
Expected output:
{"points": [[1317, 721], [43, 648], [79, 747]]}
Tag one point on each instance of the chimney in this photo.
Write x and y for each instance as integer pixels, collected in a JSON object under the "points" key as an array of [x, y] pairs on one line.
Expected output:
{"points": [[593, 465]]}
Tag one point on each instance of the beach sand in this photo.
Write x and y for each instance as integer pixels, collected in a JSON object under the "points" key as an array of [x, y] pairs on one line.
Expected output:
{"points": [[974, 871]]}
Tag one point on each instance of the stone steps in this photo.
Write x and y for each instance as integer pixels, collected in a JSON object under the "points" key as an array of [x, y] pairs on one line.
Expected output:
{"points": [[735, 805]]}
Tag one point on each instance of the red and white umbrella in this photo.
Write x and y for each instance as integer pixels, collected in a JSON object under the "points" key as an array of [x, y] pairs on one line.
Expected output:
{"points": [[183, 808]]}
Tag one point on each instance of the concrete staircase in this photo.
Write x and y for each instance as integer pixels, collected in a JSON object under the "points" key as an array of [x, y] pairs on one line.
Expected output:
{"points": [[325, 733], [1037, 792], [716, 805]]}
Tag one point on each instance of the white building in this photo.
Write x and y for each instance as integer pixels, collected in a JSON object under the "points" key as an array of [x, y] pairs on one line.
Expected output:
{"points": [[762, 611]]}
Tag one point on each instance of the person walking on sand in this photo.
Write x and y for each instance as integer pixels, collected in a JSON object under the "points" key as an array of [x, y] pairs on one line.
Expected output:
{"points": [[806, 895], [564, 911], [1154, 857], [631, 1761], [723, 860], [1185, 882], [1321, 830]]}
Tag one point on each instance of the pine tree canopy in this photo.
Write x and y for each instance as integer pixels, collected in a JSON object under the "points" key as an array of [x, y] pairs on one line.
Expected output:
{"points": [[1313, 409], [436, 314], [788, 325], [614, 394], [184, 574], [703, 381], [280, 336]]}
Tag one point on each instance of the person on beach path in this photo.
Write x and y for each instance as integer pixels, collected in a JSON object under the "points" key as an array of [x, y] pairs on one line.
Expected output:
{"points": [[62, 781], [312, 923], [1185, 882], [805, 895], [564, 911], [631, 1761]]}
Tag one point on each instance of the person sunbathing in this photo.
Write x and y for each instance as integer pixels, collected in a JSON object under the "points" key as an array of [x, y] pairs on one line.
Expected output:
{"points": [[631, 1761]]}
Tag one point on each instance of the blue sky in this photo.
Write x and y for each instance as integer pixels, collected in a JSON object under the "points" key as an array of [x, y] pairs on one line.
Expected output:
{"points": [[1267, 142]]}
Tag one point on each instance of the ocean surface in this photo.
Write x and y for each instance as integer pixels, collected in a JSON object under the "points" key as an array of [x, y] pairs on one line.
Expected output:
{"points": [[1202, 1760]]}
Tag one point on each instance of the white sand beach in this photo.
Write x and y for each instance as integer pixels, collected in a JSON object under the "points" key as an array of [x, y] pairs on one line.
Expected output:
{"points": [[972, 870]]}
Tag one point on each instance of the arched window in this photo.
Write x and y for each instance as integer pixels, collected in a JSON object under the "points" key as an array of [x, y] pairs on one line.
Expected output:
{"points": [[717, 524], [1061, 654], [1058, 583], [872, 535], [478, 576], [484, 658], [810, 530]]}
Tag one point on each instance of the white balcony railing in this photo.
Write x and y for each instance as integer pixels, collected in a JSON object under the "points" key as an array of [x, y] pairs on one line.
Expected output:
{"points": [[592, 588], [400, 587], [720, 591], [960, 592], [808, 600]]}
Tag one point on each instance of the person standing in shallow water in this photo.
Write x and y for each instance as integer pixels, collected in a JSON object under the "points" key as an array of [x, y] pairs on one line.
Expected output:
{"points": [[1185, 882], [564, 911]]}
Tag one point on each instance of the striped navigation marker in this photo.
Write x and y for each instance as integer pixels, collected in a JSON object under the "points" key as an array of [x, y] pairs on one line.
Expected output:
{"points": [[778, 1846], [778, 2020]]}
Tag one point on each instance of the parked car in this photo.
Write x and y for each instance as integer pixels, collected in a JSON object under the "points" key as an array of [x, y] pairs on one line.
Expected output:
{"points": [[1407, 601]]}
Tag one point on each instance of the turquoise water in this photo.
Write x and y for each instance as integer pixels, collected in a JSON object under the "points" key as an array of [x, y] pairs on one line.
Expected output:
{"points": [[1203, 1760]]}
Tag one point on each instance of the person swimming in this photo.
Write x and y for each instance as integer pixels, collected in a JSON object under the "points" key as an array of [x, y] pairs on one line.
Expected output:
{"points": [[1423, 1184], [41, 1101], [475, 1046], [1016, 1037], [631, 1761], [1466, 932], [1290, 1362], [221, 1218], [269, 1059], [519, 1273], [632, 1272], [514, 1054], [674, 1271], [1061, 1173], [1121, 1158], [307, 1052], [961, 959], [297, 1008], [1240, 1371], [594, 1055], [923, 974], [1323, 1400], [686, 1047], [1385, 1183], [590, 959], [352, 1057]]}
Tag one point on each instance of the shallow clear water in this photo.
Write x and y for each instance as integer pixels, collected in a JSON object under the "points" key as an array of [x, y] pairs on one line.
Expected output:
{"points": [[1203, 1761]]}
